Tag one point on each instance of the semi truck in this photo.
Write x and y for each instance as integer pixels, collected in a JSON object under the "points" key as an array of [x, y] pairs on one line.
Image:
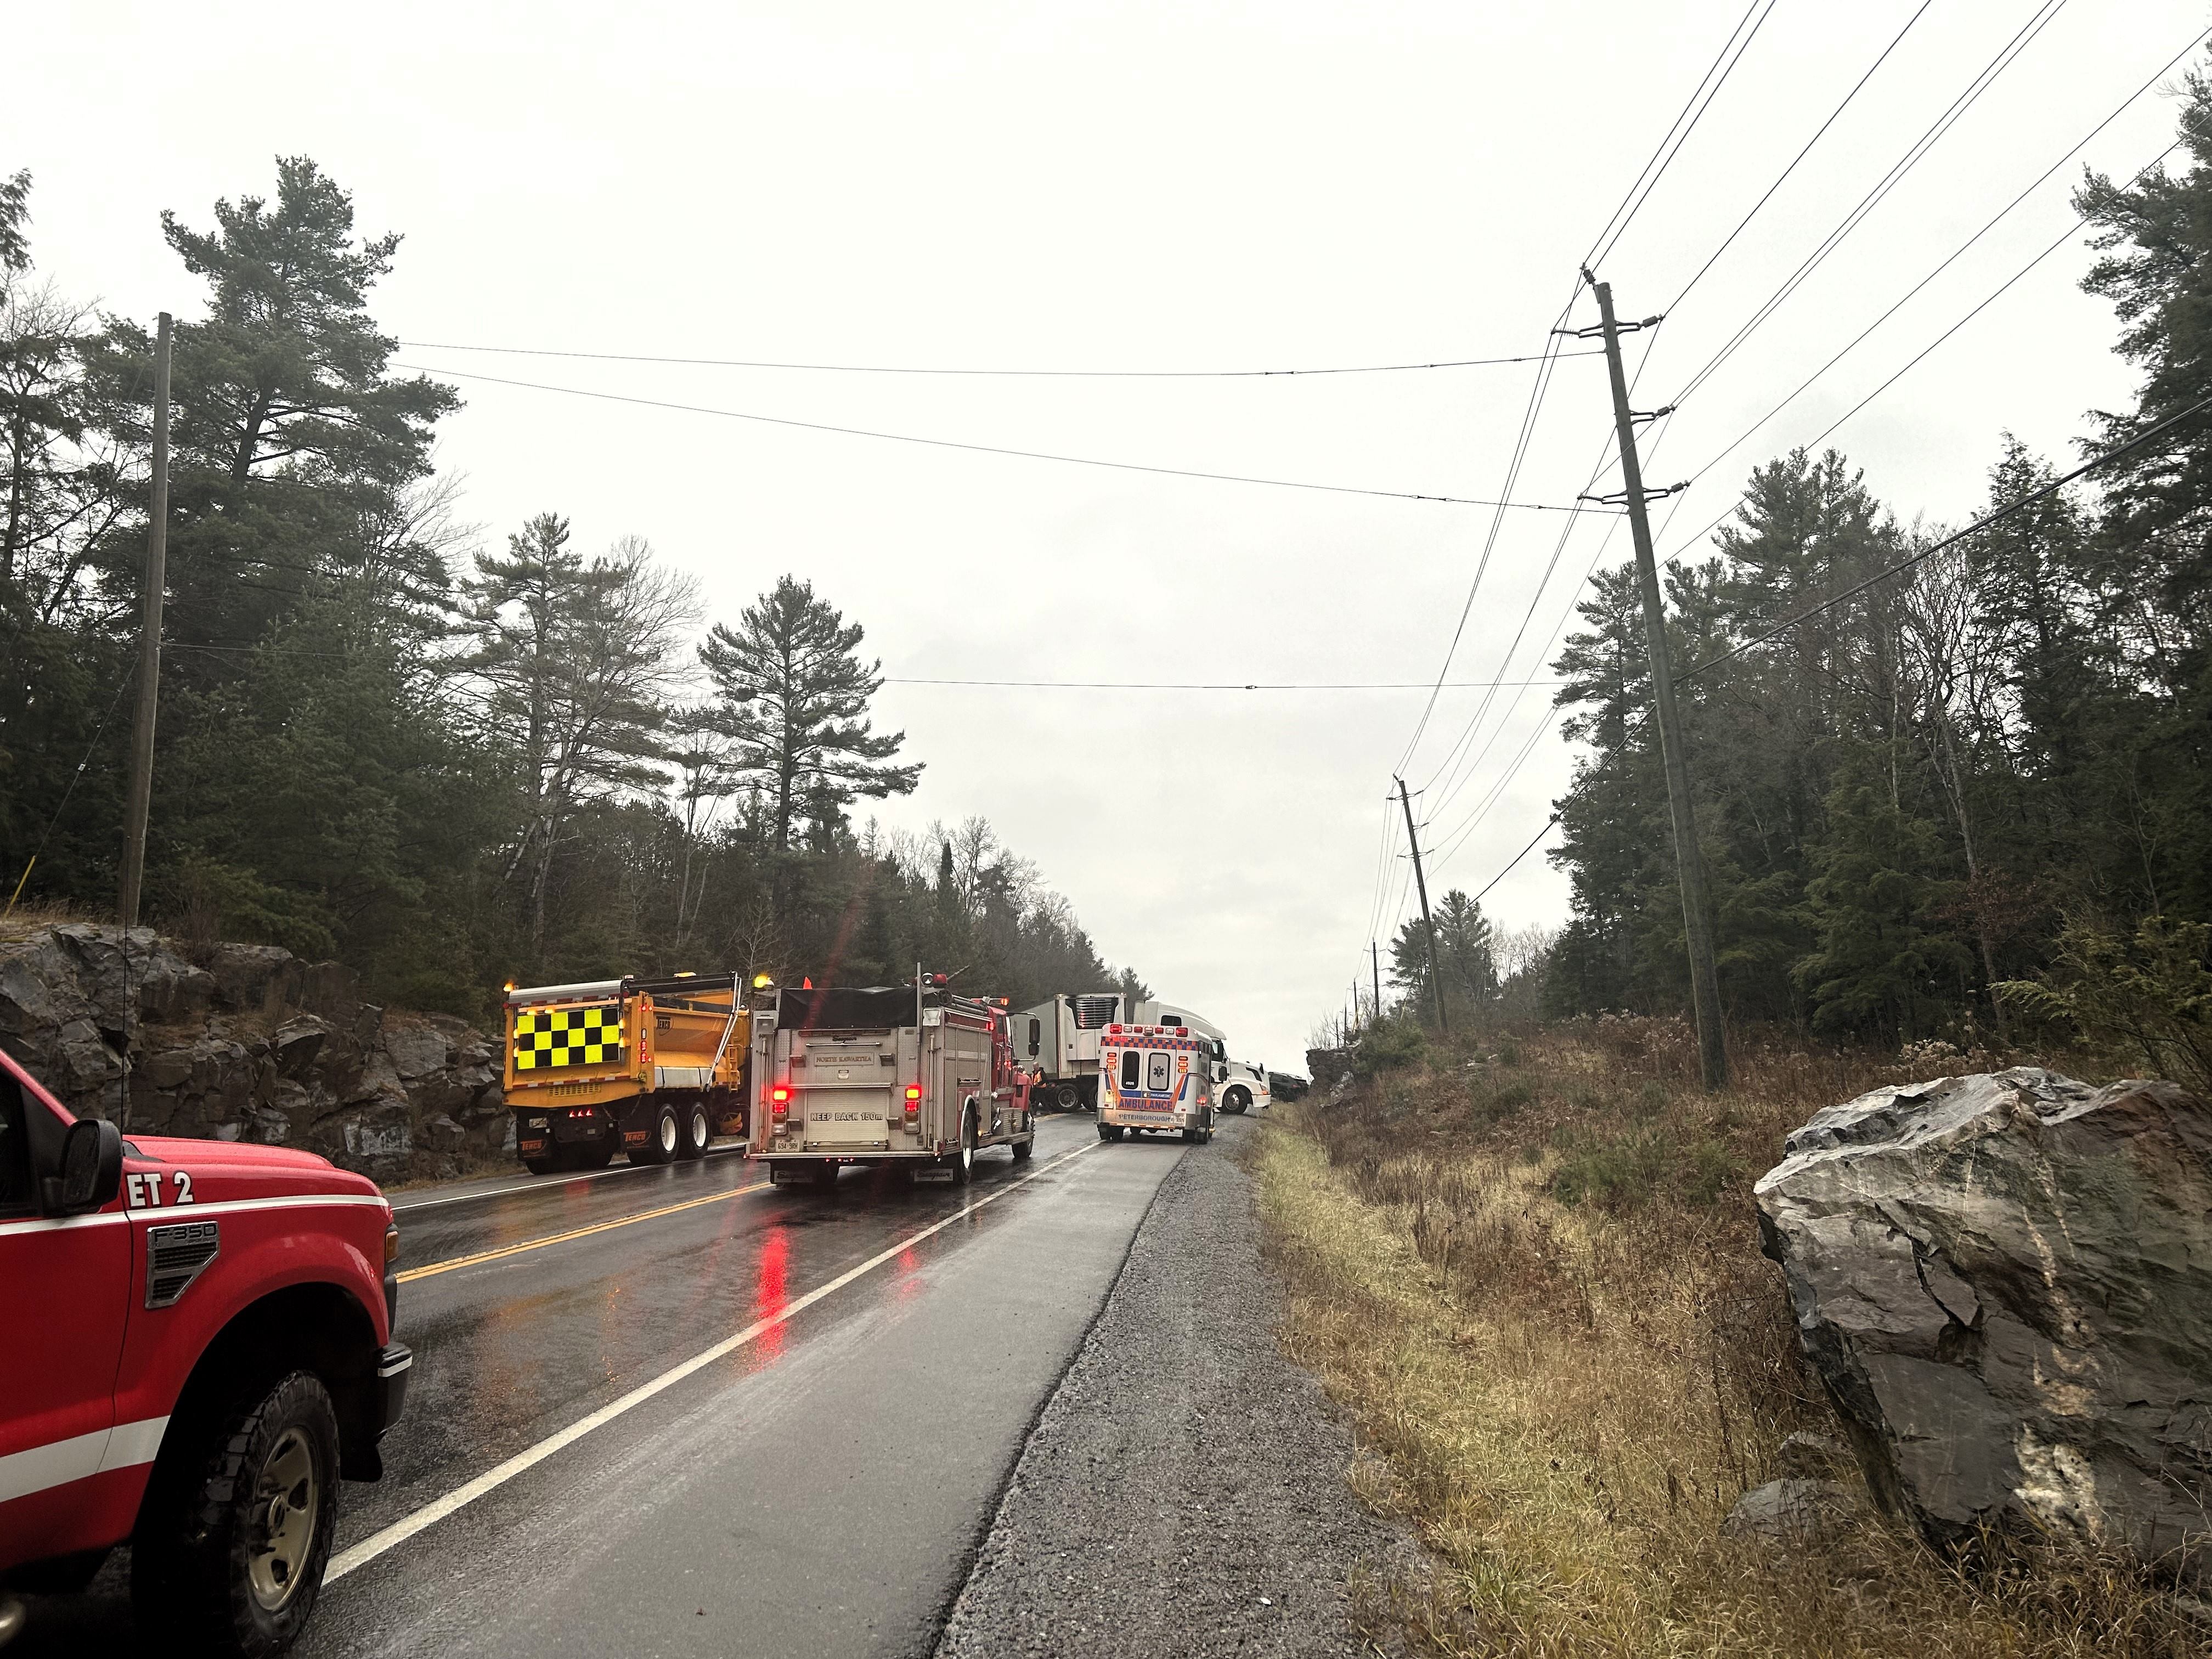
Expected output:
{"points": [[1155, 1079], [1060, 1039], [199, 1349], [655, 1069], [905, 1076]]}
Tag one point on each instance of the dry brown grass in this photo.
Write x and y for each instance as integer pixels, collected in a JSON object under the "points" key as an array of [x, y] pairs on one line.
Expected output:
{"points": [[1536, 1285], [31, 917]]}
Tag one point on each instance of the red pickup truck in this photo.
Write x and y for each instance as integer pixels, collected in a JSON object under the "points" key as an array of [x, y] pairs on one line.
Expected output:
{"points": [[195, 1347]]}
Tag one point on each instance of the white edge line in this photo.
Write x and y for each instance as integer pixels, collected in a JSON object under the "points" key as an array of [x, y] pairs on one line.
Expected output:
{"points": [[547, 1185], [161, 1214], [379, 1543]]}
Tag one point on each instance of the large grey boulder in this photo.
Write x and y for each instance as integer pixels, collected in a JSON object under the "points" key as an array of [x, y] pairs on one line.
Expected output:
{"points": [[2005, 1282]]}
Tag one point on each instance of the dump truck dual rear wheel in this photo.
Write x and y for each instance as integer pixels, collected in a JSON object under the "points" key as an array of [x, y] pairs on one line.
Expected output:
{"points": [[698, 1129], [664, 1137]]}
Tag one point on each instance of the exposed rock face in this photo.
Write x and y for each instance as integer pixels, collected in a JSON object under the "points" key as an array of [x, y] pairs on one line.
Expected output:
{"points": [[1329, 1066], [2005, 1281], [250, 1044]]}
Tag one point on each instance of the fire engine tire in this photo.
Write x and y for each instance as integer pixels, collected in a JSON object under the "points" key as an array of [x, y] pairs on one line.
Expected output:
{"points": [[698, 1128], [963, 1160], [234, 1538], [661, 1139], [1024, 1150], [1236, 1100], [825, 1175]]}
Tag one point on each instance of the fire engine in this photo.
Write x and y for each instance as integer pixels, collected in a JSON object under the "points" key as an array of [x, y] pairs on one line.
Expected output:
{"points": [[1152, 1079], [198, 1348], [651, 1068], [909, 1076]]}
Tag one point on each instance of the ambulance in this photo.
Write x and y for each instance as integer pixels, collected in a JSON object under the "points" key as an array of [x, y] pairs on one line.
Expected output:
{"points": [[1155, 1079]]}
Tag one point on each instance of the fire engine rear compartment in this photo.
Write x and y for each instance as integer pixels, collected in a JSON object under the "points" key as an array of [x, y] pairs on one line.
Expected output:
{"points": [[880, 1076]]}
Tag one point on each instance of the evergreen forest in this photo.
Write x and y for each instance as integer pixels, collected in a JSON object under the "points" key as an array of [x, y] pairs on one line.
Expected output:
{"points": [[1977, 789], [446, 756]]}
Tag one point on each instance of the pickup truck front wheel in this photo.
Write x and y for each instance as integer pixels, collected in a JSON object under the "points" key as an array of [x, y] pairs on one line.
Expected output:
{"points": [[234, 1557]]}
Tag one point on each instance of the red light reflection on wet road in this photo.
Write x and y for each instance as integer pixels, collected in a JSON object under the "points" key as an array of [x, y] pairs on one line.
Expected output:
{"points": [[769, 1296]]}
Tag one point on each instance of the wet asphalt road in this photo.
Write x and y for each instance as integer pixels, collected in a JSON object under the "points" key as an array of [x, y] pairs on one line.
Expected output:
{"points": [[820, 1487]]}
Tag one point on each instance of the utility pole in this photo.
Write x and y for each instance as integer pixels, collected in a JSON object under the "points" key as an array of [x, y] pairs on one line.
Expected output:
{"points": [[1689, 861], [150, 643], [1428, 926], [1375, 960]]}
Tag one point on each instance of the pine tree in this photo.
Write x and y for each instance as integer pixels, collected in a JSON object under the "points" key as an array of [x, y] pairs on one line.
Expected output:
{"points": [[794, 697], [1887, 962], [577, 659]]}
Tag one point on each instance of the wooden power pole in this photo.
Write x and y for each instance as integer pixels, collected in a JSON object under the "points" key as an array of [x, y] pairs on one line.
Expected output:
{"points": [[1375, 960], [1689, 861], [1428, 925], [149, 643]]}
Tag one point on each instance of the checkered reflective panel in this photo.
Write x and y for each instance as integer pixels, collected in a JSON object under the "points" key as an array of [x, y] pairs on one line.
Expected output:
{"points": [[549, 1037]]}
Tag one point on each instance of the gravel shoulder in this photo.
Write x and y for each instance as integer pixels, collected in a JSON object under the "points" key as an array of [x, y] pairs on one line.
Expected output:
{"points": [[1184, 1489]]}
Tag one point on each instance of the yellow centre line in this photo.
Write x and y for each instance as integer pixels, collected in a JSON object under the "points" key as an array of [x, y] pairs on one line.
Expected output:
{"points": [[413, 1274]]}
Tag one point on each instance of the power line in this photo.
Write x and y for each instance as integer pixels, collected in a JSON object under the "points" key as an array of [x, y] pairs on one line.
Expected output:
{"points": [[989, 449], [1013, 374], [1957, 252], [1461, 833], [1452, 788], [1516, 858], [1454, 839], [1221, 685], [1466, 738], [1646, 180], [1915, 153], [1035, 685], [1663, 157], [1528, 417], [1783, 177], [1953, 539], [1988, 300]]}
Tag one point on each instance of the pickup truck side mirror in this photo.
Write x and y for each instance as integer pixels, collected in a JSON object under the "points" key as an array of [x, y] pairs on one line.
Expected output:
{"points": [[91, 1168]]}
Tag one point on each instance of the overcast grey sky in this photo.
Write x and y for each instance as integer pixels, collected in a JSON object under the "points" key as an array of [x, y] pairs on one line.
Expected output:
{"points": [[1146, 187]]}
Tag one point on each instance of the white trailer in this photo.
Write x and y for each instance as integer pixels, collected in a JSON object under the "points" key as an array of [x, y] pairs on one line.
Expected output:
{"points": [[905, 1075], [1061, 1037]]}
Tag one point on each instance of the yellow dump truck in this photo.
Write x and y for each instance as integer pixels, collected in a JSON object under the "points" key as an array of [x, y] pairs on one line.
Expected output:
{"points": [[652, 1068]]}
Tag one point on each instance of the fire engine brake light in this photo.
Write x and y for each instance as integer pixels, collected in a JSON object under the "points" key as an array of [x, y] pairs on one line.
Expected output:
{"points": [[779, 1100], [913, 1093]]}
